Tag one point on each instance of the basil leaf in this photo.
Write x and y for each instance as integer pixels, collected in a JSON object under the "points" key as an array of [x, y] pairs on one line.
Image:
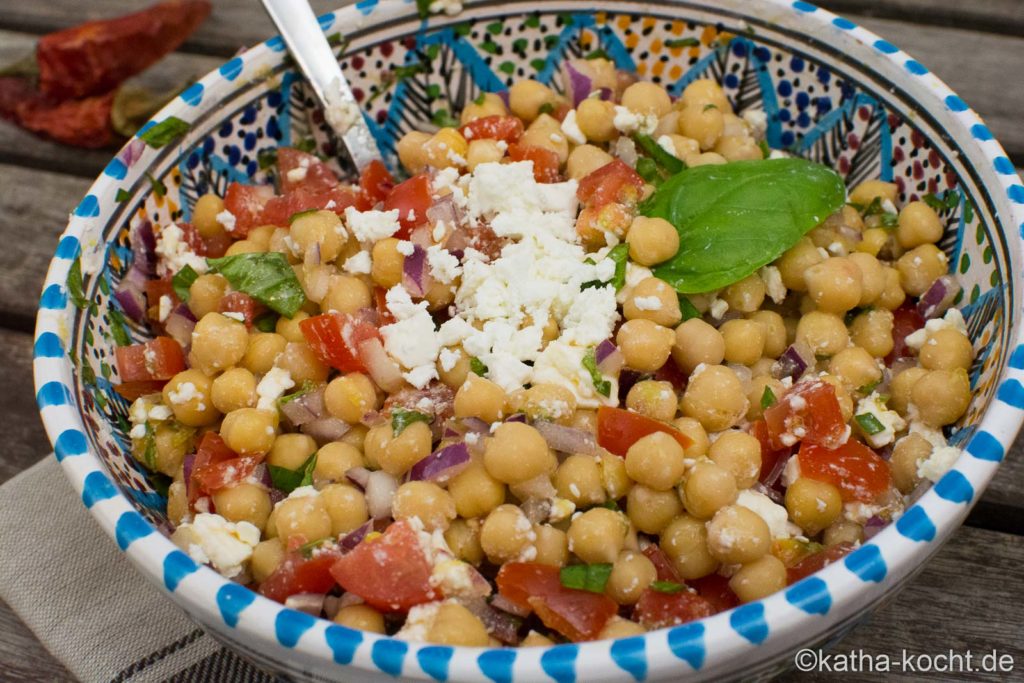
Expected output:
{"points": [[149, 447], [266, 158], [166, 131], [75, 286], [117, 327], [768, 398], [601, 385], [647, 169], [266, 277], [182, 281], [868, 388], [401, 418], [266, 322], [477, 366], [687, 308], [734, 218], [610, 505], [308, 387], [288, 480], [869, 424], [546, 108], [669, 587], [586, 577], [671, 163], [619, 254]]}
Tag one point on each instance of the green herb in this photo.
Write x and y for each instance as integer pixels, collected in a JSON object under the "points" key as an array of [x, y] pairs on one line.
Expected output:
{"points": [[300, 214], [669, 162], [709, 106], [423, 6], [766, 151], [768, 398], [949, 200], [596, 54], [477, 366], [647, 169], [480, 99], [734, 218], [166, 131], [682, 42], [149, 447], [266, 158], [869, 423], [868, 388], [610, 505], [872, 209], [75, 285], [396, 75], [122, 195], [117, 327], [306, 549], [161, 483], [308, 387], [601, 385], [337, 40], [182, 281], [159, 189], [307, 145], [619, 254], [402, 418], [442, 119], [546, 108], [586, 577], [888, 220], [288, 480], [266, 277], [687, 308], [669, 587], [266, 322]]}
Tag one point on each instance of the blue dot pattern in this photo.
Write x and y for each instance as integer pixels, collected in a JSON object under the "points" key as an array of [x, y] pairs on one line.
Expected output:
{"points": [[53, 394], [192, 95], [915, 67], [434, 661], [629, 655], [130, 527], [389, 655], [54, 299], [1017, 358], [560, 663], [954, 487], [48, 346], [343, 643], [67, 248], [845, 24], [748, 620], [984, 446], [867, 563], [1011, 392], [89, 207], [804, 7], [177, 565], [97, 487], [290, 624], [885, 47], [231, 68], [116, 169], [810, 595], [916, 525], [232, 600], [497, 665], [70, 443], [687, 643]]}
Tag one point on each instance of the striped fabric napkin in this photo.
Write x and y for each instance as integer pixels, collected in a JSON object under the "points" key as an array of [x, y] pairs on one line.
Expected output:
{"points": [[85, 602]]}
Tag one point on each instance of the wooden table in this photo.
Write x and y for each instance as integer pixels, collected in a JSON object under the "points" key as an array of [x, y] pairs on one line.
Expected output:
{"points": [[969, 596]]}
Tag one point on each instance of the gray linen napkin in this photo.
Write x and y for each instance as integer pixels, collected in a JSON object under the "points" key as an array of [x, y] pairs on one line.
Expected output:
{"points": [[84, 600]]}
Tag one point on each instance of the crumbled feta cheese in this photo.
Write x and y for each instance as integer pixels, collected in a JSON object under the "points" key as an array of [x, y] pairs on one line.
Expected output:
{"points": [[562, 365], [773, 514], [235, 315], [173, 252], [405, 248], [757, 119], [772, 279], [560, 509], [779, 154], [889, 419], [862, 512], [889, 207], [211, 539], [165, 306], [143, 411], [371, 226], [444, 267], [449, 7], [942, 457], [358, 264], [411, 339], [634, 275], [953, 320], [666, 143], [628, 121], [647, 303], [297, 174], [572, 129], [791, 472], [718, 308], [226, 220], [421, 617], [185, 392], [272, 386], [448, 359]]}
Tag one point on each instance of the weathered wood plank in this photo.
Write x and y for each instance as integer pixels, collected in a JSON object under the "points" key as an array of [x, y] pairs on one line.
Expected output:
{"points": [[24, 439], [993, 16]]}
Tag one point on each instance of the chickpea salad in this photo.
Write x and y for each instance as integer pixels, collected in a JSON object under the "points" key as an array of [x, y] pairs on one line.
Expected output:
{"points": [[592, 363]]}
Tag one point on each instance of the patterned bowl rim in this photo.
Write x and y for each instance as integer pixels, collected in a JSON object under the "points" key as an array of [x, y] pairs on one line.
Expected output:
{"points": [[710, 642]]}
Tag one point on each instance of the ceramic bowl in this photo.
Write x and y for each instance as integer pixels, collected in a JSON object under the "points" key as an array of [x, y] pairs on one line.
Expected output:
{"points": [[832, 92]]}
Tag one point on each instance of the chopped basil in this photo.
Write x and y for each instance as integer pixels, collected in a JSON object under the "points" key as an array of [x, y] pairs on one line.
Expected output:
{"points": [[480, 99], [288, 480], [401, 418], [182, 281], [75, 288], [669, 587], [300, 214], [442, 119], [586, 577], [308, 387], [122, 195], [601, 385], [869, 424], [687, 308], [766, 151], [266, 277], [947, 202], [610, 505], [886, 219], [768, 398], [647, 169], [149, 447], [669, 162], [306, 549], [266, 322], [868, 388], [546, 108], [166, 131], [682, 42], [619, 254], [117, 327], [159, 189], [477, 366], [266, 158]]}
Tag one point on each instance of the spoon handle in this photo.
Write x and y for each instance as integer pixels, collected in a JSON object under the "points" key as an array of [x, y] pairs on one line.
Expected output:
{"points": [[305, 40]]}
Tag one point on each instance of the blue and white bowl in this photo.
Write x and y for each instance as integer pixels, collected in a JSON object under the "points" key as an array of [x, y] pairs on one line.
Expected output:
{"points": [[832, 92]]}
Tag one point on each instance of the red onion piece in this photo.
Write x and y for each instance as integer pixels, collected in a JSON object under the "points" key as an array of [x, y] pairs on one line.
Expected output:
{"points": [[606, 94], [539, 487], [380, 492], [537, 510], [415, 274], [939, 297], [567, 439], [625, 149], [179, 326], [130, 296], [442, 465], [445, 211], [143, 243], [501, 625], [187, 464], [577, 84], [358, 476], [501, 603], [776, 472], [604, 349], [516, 417], [325, 429], [627, 378], [349, 599], [475, 425], [379, 365], [793, 362], [775, 496], [872, 526], [356, 536], [310, 603], [305, 408]]}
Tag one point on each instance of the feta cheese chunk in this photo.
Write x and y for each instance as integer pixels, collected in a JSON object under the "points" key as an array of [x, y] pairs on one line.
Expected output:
{"points": [[358, 264], [890, 420], [411, 339], [628, 121], [572, 129], [942, 457], [272, 386], [953, 320], [773, 514], [371, 226], [211, 539], [174, 253]]}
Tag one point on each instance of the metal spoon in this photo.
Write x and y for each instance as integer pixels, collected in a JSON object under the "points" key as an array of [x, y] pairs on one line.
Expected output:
{"points": [[308, 45]]}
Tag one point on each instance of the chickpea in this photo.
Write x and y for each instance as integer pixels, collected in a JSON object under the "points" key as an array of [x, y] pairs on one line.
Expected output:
{"points": [[266, 557], [188, 394], [204, 215], [299, 361], [412, 152], [481, 398], [759, 579], [205, 293], [526, 97], [552, 545], [305, 517], [869, 190], [941, 396], [683, 147], [835, 284], [517, 453], [218, 342], [872, 241], [506, 534], [249, 431], [703, 123], [737, 535], [739, 454], [656, 461], [745, 296], [631, 573], [262, 350], [855, 367], [907, 454], [892, 296], [793, 264], [704, 91], [613, 475], [654, 399], [920, 267], [872, 331], [645, 345], [644, 97], [396, 454], [546, 132], [291, 451], [388, 262], [901, 386], [598, 535], [655, 300], [685, 542], [346, 294], [946, 350], [334, 459], [585, 159], [243, 502], [446, 149], [715, 397], [775, 339], [650, 511], [483, 152], [596, 119], [361, 617], [455, 625], [534, 639], [322, 230], [695, 431], [738, 148], [872, 277], [177, 502], [708, 488], [476, 492], [426, 501], [696, 343], [824, 333], [463, 537], [744, 341], [918, 224], [234, 389], [705, 159], [578, 479], [350, 396], [488, 104], [356, 438], [843, 531], [813, 505], [242, 247], [548, 402], [651, 241]]}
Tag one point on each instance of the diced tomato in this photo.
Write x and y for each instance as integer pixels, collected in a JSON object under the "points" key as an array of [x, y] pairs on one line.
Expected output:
{"points": [[545, 161], [818, 560], [561, 111], [576, 614], [715, 589], [507, 128], [246, 202], [906, 321], [279, 210], [217, 245], [156, 289], [613, 182], [335, 338], [133, 390], [618, 429], [215, 476], [769, 456], [859, 473], [791, 551], [384, 314], [670, 372], [318, 175], [157, 359], [594, 222], [809, 413], [207, 467], [299, 574], [376, 182], [194, 240], [389, 572], [482, 238], [412, 199], [666, 570], [660, 610], [239, 302]]}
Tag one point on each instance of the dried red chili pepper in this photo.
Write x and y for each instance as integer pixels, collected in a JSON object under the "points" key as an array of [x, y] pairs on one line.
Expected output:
{"points": [[82, 123], [96, 56]]}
